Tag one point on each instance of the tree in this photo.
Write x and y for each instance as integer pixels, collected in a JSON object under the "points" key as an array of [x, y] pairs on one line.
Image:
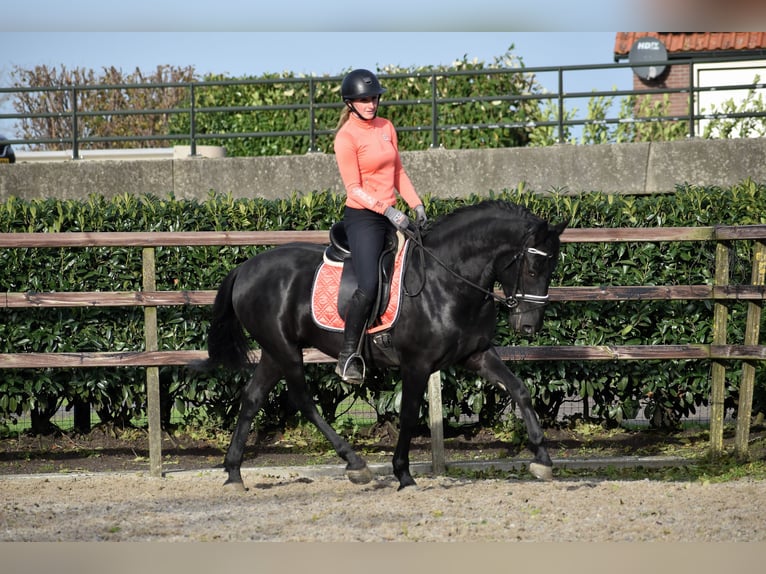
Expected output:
{"points": [[5, 98], [110, 97]]}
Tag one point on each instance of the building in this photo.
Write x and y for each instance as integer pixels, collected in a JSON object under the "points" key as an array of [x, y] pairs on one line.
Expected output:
{"points": [[727, 59]]}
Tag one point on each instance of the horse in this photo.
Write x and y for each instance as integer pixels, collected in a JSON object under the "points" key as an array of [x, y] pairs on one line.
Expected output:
{"points": [[447, 317]]}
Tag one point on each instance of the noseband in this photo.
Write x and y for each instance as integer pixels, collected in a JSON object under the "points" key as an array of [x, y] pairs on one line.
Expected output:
{"points": [[512, 301]]}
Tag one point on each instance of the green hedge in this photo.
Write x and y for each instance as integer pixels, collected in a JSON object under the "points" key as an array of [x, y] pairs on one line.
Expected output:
{"points": [[407, 103], [666, 391]]}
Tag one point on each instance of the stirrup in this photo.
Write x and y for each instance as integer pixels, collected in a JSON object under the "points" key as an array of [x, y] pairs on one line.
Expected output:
{"points": [[342, 371]]}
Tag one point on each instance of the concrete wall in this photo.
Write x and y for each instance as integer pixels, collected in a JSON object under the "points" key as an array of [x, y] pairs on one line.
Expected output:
{"points": [[619, 168]]}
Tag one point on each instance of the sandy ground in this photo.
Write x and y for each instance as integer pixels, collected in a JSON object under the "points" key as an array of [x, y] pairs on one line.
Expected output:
{"points": [[290, 506]]}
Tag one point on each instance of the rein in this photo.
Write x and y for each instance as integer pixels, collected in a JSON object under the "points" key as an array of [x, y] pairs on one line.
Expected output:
{"points": [[512, 301]]}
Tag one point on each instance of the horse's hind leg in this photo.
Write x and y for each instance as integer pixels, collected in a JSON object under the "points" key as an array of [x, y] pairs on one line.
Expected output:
{"points": [[255, 393], [356, 467]]}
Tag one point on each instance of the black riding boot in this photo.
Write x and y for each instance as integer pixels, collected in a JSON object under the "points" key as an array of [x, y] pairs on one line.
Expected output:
{"points": [[350, 363]]}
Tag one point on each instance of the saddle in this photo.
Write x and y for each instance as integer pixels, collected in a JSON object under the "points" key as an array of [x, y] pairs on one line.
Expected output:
{"points": [[335, 281]]}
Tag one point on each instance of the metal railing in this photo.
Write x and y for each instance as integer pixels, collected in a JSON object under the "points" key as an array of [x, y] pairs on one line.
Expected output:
{"points": [[558, 99]]}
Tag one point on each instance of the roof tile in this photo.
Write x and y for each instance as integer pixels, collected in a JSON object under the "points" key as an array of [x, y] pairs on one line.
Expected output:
{"points": [[681, 42]]}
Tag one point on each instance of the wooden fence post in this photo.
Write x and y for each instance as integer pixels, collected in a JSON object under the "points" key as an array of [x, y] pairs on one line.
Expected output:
{"points": [[152, 373], [718, 369], [436, 417], [752, 335]]}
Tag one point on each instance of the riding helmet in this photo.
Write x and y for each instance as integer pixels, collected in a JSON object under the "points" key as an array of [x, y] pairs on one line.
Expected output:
{"points": [[6, 151], [360, 84]]}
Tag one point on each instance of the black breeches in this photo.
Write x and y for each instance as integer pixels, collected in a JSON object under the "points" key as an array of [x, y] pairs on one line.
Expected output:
{"points": [[366, 232]]}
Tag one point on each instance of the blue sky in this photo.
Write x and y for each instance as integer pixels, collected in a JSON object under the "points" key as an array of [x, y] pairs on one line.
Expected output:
{"points": [[309, 15], [317, 53], [239, 54]]}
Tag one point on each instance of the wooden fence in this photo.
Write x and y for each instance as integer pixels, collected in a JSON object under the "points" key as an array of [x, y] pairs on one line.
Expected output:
{"points": [[750, 351]]}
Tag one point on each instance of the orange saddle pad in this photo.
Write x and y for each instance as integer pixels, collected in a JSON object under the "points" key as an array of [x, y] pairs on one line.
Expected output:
{"points": [[326, 287]]}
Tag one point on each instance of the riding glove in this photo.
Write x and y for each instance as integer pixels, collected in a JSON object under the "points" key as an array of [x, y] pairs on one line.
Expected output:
{"points": [[400, 221], [420, 213]]}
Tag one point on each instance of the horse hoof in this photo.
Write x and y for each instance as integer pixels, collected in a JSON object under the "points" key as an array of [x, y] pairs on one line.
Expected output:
{"points": [[541, 471], [407, 483], [408, 487], [359, 476], [234, 486]]}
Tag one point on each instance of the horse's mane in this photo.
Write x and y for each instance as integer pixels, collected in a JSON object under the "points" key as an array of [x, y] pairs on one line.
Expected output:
{"points": [[482, 212]]}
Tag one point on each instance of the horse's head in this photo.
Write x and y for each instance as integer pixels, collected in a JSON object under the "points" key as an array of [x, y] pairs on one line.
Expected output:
{"points": [[526, 277]]}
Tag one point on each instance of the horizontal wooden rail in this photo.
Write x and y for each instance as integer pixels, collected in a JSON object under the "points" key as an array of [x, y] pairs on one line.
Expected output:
{"points": [[632, 352], [124, 359], [516, 353], [159, 238], [174, 298], [106, 299], [655, 234], [659, 293], [240, 238]]}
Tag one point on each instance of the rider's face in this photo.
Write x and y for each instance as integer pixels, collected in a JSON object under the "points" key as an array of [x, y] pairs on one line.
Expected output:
{"points": [[366, 107]]}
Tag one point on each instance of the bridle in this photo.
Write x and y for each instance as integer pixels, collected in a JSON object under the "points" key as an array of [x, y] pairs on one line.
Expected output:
{"points": [[517, 293], [511, 301]]}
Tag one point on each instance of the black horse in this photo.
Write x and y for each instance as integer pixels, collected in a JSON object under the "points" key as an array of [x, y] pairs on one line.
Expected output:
{"points": [[447, 318]]}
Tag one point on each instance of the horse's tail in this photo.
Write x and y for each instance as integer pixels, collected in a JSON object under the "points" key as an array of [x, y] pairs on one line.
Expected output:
{"points": [[227, 344]]}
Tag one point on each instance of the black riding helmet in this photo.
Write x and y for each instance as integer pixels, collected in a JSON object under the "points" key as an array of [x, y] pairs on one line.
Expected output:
{"points": [[360, 84], [6, 151]]}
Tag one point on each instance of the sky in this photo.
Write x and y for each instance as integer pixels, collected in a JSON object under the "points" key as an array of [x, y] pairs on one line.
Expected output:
{"points": [[388, 16], [308, 53], [239, 38], [391, 15], [237, 54], [310, 15]]}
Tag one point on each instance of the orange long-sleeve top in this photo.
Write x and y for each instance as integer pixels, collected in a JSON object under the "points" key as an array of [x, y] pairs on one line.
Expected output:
{"points": [[367, 153]]}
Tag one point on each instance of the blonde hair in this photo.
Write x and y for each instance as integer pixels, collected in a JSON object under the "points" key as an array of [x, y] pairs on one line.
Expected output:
{"points": [[344, 115]]}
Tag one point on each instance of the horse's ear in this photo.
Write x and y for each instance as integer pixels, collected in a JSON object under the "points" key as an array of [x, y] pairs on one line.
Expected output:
{"points": [[559, 229]]}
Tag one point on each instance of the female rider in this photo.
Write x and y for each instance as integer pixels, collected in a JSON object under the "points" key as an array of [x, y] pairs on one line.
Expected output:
{"points": [[367, 153]]}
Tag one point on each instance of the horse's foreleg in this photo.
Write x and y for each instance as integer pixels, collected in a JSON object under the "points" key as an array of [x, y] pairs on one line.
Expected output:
{"points": [[356, 467], [413, 387], [254, 394], [490, 367]]}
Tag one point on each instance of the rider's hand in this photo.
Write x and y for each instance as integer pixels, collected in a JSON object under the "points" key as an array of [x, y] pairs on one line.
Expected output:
{"points": [[420, 215], [400, 221]]}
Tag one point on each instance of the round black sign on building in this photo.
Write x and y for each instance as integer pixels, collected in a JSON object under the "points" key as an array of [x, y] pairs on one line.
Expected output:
{"points": [[645, 55]]}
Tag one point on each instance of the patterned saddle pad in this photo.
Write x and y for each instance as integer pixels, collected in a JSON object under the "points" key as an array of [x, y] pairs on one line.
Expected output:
{"points": [[326, 288]]}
